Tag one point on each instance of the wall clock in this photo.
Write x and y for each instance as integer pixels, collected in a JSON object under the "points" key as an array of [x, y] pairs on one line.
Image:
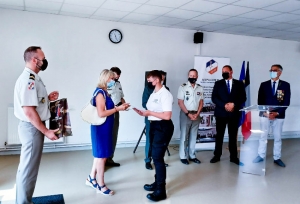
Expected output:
{"points": [[115, 36]]}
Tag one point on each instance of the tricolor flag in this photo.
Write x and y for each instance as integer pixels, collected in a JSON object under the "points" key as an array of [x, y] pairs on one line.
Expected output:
{"points": [[245, 120]]}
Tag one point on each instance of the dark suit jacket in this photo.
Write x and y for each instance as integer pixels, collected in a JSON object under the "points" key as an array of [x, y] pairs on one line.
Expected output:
{"points": [[266, 97], [220, 97]]}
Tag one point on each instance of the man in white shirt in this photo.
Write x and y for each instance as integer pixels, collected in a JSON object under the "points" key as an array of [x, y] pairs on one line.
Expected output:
{"points": [[190, 101], [31, 104], [117, 96]]}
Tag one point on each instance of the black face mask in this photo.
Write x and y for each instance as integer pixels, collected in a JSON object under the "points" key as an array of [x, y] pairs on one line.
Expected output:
{"points": [[116, 80], [225, 75], [44, 66], [150, 86], [192, 80]]}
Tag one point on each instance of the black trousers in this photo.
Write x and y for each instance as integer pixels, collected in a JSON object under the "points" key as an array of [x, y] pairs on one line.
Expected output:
{"points": [[232, 123], [160, 135]]}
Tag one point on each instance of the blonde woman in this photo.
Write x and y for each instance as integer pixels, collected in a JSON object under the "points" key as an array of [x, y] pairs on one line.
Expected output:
{"points": [[101, 135]]}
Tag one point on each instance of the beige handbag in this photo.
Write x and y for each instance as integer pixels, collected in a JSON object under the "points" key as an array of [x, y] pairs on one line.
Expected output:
{"points": [[90, 114]]}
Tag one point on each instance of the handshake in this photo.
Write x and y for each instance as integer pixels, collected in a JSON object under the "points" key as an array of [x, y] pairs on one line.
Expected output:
{"points": [[229, 107]]}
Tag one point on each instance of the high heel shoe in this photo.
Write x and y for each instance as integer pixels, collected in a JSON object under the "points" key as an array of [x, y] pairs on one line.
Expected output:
{"points": [[89, 182], [108, 192]]}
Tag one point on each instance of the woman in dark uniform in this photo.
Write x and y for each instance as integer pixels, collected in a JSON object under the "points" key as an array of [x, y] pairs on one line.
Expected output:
{"points": [[159, 114], [101, 135]]}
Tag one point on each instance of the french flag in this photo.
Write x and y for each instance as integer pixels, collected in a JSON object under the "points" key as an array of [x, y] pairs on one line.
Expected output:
{"points": [[245, 120]]}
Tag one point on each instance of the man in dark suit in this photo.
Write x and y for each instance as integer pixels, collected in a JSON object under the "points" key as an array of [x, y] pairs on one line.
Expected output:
{"points": [[228, 95], [273, 92]]}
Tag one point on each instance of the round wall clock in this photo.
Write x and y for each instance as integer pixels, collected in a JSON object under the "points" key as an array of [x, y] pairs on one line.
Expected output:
{"points": [[115, 36]]}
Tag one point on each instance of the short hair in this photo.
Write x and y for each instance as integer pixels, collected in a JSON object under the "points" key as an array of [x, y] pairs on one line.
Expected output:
{"points": [[116, 69], [30, 52], [103, 78], [155, 74], [162, 72], [228, 66], [193, 70], [277, 65]]}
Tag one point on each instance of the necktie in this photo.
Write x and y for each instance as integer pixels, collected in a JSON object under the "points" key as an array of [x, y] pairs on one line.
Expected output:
{"points": [[228, 86], [273, 87]]}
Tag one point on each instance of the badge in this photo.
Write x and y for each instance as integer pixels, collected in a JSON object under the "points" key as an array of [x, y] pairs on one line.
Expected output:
{"points": [[280, 95], [43, 100], [198, 93], [31, 85], [187, 93], [120, 88], [187, 98]]}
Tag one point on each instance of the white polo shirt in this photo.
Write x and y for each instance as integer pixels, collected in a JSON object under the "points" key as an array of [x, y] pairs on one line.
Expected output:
{"points": [[159, 102], [190, 95], [30, 91], [116, 93]]}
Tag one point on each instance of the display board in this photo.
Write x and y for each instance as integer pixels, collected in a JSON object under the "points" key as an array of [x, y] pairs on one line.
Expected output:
{"points": [[209, 71]]}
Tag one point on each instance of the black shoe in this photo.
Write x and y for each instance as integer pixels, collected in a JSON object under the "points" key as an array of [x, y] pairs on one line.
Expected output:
{"points": [[279, 162], [215, 159], [195, 160], [184, 161], [157, 195], [148, 166], [166, 165], [112, 164], [150, 187]]}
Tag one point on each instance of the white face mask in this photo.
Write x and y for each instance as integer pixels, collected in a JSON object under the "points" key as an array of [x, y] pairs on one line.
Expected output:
{"points": [[273, 75], [162, 82]]}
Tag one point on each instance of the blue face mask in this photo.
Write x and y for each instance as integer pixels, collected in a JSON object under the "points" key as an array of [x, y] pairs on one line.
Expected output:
{"points": [[273, 75], [110, 84]]}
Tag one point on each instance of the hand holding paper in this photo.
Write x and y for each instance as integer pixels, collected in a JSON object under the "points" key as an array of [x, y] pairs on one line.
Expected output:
{"points": [[138, 111]]}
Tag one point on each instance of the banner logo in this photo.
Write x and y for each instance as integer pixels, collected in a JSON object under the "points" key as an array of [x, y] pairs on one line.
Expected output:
{"points": [[211, 66]]}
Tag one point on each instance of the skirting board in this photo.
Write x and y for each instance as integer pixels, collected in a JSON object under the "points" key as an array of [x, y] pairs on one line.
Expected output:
{"points": [[87, 146]]}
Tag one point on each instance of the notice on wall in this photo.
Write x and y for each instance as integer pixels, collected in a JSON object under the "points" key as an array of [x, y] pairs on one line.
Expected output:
{"points": [[209, 71]]}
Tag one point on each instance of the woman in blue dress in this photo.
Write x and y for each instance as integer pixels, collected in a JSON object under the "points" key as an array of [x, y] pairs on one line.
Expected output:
{"points": [[101, 135]]}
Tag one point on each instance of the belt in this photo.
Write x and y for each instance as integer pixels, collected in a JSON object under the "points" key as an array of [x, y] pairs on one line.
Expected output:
{"points": [[44, 122], [192, 112], [152, 121]]}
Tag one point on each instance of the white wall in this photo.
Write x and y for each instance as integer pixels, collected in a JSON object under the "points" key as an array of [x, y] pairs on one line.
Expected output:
{"points": [[261, 54], [78, 49]]}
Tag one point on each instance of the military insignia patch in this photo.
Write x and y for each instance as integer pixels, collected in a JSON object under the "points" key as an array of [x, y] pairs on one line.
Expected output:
{"points": [[31, 85], [198, 93], [32, 77]]}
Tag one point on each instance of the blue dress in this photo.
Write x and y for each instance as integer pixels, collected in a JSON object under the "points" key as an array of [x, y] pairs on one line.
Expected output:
{"points": [[102, 138]]}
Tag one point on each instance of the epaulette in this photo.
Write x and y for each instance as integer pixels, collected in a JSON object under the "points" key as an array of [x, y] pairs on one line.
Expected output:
{"points": [[183, 85], [31, 76], [198, 85]]}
